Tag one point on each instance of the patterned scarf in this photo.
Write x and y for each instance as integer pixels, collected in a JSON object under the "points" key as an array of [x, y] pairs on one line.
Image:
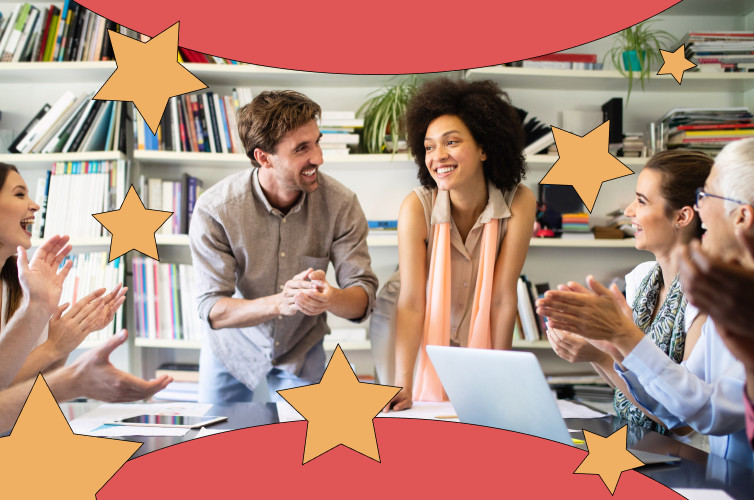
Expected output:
{"points": [[667, 331]]}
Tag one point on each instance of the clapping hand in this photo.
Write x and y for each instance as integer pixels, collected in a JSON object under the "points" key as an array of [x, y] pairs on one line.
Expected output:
{"points": [[40, 278], [87, 315], [316, 299]]}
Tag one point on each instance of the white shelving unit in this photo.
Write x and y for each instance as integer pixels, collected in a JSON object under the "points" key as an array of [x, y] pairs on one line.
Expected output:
{"points": [[382, 181]]}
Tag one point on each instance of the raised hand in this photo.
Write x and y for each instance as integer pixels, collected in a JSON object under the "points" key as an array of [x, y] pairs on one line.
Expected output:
{"points": [[40, 278]]}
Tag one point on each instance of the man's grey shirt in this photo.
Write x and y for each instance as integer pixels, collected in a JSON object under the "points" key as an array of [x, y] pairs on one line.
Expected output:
{"points": [[243, 247]]}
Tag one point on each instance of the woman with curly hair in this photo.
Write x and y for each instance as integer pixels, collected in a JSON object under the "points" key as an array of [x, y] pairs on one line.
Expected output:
{"points": [[463, 235]]}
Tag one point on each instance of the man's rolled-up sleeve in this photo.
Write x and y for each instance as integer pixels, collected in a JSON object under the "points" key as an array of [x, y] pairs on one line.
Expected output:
{"points": [[213, 260], [350, 254]]}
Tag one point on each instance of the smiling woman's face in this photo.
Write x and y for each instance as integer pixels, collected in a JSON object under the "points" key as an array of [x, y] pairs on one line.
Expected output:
{"points": [[16, 214], [654, 227], [453, 157]]}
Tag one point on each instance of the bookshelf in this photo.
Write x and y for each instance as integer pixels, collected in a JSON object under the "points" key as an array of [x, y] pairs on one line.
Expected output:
{"points": [[382, 181]]}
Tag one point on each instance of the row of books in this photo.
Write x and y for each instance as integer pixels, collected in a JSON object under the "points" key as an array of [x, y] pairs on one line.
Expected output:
{"points": [[530, 326], [191, 56], [706, 129], [72, 191], [74, 124], [561, 60], [721, 51], [70, 33], [178, 197], [90, 272], [164, 298], [205, 122]]}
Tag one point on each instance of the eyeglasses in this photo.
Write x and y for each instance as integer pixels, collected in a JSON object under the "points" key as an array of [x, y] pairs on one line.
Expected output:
{"points": [[701, 195]]}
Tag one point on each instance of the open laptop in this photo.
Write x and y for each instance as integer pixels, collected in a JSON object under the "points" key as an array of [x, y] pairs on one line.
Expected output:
{"points": [[506, 390]]}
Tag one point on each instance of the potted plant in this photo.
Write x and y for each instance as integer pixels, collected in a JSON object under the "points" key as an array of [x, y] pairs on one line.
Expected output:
{"points": [[382, 115], [636, 49]]}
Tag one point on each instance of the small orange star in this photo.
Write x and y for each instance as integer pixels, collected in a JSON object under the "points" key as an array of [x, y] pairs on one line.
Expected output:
{"points": [[585, 163], [148, 74], [608, 457], [43, 458], [133, 226], [340, 410], [675, 63]]}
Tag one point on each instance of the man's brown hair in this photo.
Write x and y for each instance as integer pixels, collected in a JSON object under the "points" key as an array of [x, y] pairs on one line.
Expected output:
{"points": [[264, 121]]}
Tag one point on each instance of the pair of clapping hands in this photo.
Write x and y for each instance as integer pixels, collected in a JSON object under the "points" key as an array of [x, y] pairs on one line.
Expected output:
{"points": [[42, 278], [308, 292], [589, 323]]}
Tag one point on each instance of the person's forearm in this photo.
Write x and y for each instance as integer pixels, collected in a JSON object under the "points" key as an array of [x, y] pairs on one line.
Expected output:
{"points": [[19, 337], [605, 367], [41, 359], [502, 320], [409, 331], [238, 313], [349, 303], [61, 383]]}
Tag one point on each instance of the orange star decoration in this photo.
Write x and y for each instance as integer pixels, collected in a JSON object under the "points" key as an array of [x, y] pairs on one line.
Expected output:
{"points": [[133, 226], [43, 458], [340, 410], [608, 457], [675, 63], [585, 163], [148, 74]]}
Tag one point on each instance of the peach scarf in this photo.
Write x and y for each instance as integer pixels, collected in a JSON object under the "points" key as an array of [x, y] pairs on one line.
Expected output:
{"points": [[427, 386]]}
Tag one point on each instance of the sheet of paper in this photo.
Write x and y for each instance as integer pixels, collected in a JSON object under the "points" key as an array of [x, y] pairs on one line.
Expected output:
{"points": [[134, 430], [94, 421], [426, 410], [206, 431], [286, 413], [569, 409], [702, 494]]}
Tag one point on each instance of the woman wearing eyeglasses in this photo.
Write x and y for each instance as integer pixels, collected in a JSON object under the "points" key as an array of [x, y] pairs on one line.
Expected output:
{"points": [[664, 218], [705, 391]]}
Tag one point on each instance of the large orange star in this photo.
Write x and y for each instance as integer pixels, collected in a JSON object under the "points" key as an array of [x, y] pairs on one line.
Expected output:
{"points": [[340, 410], [148, 74], [585, 163], [133, 227], [43, 458], [608, 457], [675, 63]]}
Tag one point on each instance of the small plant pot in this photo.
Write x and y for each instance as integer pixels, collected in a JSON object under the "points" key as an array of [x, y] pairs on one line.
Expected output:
{"points": [[633, 60]]}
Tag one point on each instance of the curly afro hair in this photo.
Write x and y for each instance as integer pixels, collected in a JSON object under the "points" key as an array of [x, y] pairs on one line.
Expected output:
{"points": [[486, 111]]}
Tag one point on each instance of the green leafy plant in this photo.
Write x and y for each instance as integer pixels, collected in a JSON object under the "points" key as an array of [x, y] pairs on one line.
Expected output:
{"points": [[382, 115], [645, 42]]}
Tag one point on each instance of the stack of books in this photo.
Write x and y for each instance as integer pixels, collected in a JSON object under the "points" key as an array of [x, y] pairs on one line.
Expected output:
{"points": [[339, 132], [707, 129], [164, 300], [185, 384], [633, 146], [74, 124], [576, 225], [67, 33], [561, 60], [721, 51], [202, 123]]}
